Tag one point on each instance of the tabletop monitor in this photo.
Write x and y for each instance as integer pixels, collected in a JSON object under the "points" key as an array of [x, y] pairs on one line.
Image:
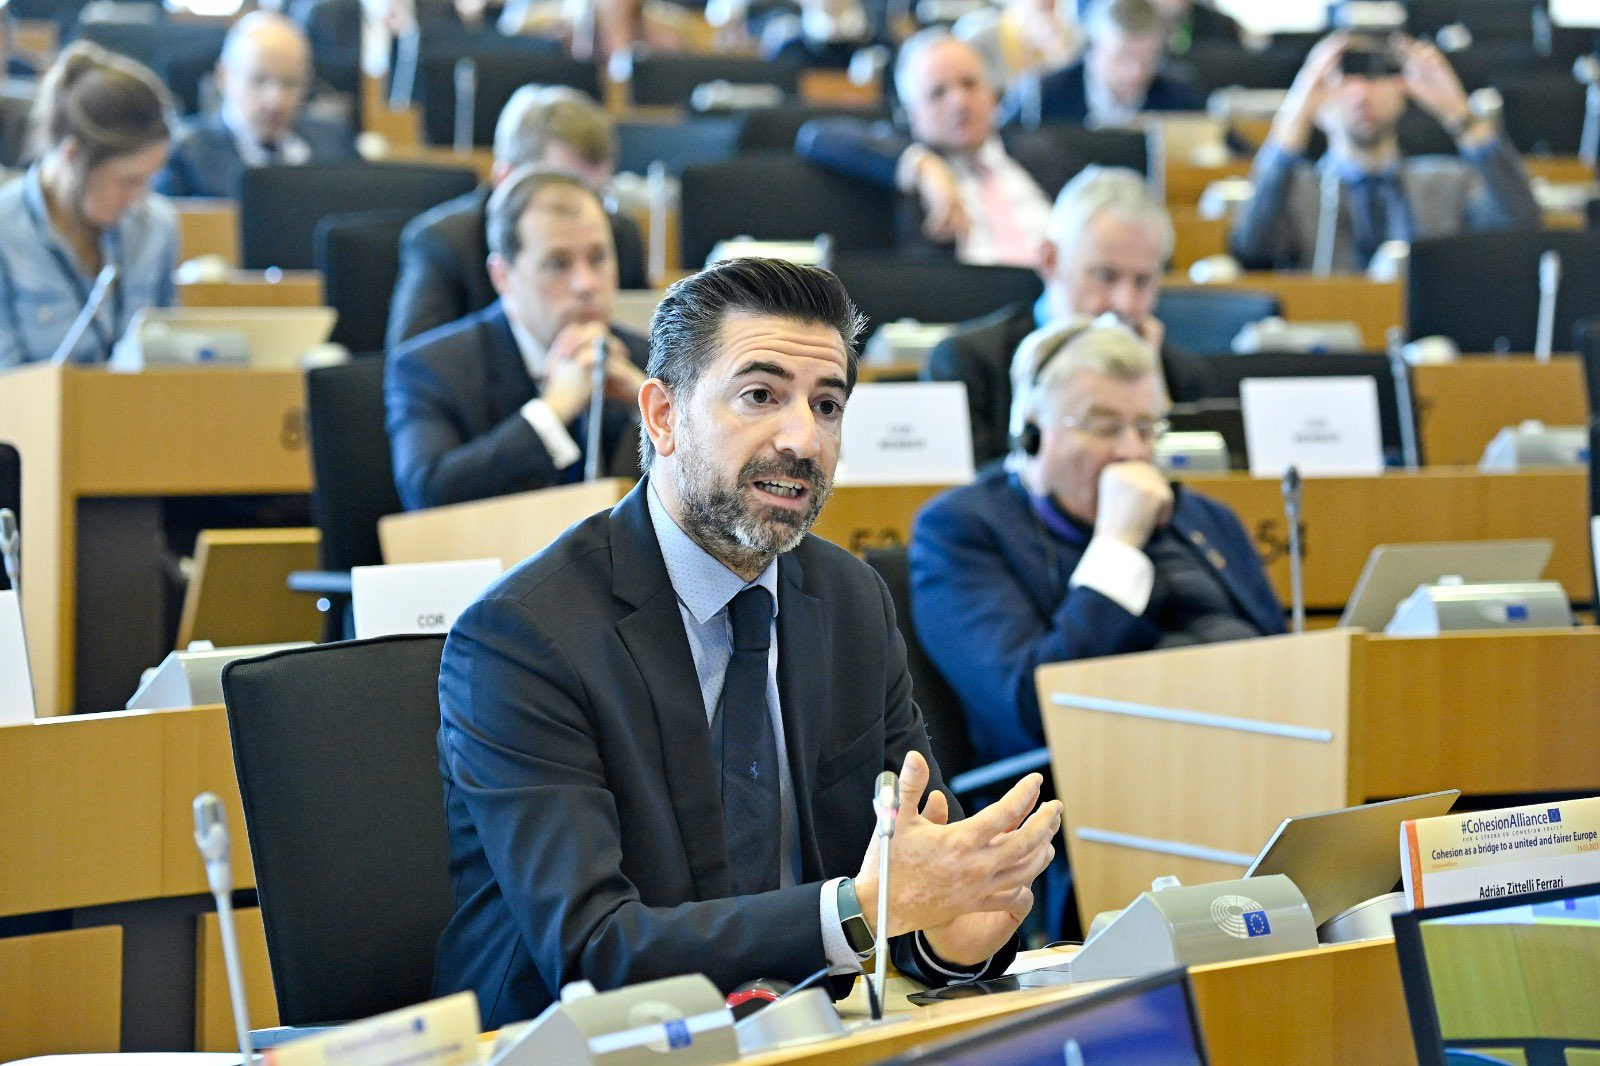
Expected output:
{"points": [[1149, 1021], [1513, 979], [1394, 571]]}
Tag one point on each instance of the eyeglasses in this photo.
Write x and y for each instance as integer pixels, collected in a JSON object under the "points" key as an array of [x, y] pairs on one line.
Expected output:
{"points": [[1107, 428]]}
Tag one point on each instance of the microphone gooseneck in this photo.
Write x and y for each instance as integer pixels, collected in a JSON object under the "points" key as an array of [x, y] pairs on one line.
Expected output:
{"points": [[211, 840], [886, 805], [597, 399], [1291, 508], [1327, 224], [91, 307], [1549, 289]]}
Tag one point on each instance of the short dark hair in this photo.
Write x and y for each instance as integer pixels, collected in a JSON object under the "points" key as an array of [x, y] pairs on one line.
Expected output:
{"points": [[686, 329], [510, 200]]}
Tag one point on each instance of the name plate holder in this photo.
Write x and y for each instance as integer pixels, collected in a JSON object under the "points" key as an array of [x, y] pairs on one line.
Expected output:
{"points": [[1492, 854], [416, 597]]}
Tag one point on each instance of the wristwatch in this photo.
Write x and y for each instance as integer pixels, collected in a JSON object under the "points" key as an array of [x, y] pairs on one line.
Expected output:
{"points": [[1484, 106], [856, 933]]}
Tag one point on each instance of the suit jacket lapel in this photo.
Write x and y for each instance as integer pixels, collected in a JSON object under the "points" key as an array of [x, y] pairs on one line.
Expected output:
{"points": [[654, 636], [803, 680]]}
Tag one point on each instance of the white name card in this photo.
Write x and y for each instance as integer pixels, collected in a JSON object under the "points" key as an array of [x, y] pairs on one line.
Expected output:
{"points": [[906, 433], [1323, 426], [416, 597], [16, 682], [1492, 854], [443, 1032]]}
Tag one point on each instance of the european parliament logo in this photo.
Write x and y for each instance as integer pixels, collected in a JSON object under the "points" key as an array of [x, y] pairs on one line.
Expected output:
{"points": [[1240, 916]]}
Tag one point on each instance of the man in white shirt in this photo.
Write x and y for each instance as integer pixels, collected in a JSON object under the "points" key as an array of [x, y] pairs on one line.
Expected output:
{"points": [[263, 76], [498, 402]]}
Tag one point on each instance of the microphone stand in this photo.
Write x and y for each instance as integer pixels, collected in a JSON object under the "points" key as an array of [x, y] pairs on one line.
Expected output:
{"points": [[211, 839], [1549, 288], [886, 803], [1291, 507], [10, 549], [466, 78], [91, 307], [597, 399], [1410, 453], [1327, 224]]}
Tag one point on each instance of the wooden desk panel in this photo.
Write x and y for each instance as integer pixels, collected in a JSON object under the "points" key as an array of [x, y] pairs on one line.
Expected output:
{"points": [[208, 227], [61, 993], [1374, 306], [256, 288], [1462, 405]]}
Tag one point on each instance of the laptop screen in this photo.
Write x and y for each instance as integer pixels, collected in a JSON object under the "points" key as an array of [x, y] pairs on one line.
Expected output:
{"points": [[1149, 1021], [1514, 979]]}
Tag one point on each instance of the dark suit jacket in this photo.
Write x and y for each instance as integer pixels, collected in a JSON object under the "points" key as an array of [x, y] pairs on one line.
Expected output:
{"points": [[979, 355], [454, 401], [990, 600], [581, 787], [1063, 97], [444, 274], [205, 157]]}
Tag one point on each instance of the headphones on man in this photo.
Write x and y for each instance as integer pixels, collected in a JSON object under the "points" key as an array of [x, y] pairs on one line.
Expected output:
{"points": [[1040, 348]]}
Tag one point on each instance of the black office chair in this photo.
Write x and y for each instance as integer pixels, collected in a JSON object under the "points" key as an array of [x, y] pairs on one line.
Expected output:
{"points": [[697, 140], [1482, 289], [1219, 64], [1487, 19], [10, 491], [280, 206], [352, 483], [1106, 147], [669, 80], [179, 52], [334, 747], [887, 287], [773, 129], [359, 257], [1204, 321], [497, 73], [1543, 112], [778, 197], [1223, 377]]}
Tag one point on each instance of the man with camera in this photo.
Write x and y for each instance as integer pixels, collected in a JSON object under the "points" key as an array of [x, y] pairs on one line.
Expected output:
{"points": [[1355, 88]]}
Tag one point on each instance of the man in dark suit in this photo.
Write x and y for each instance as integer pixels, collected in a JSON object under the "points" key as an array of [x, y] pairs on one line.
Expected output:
{"points": [[263, 76], [443, 259], [973, 193], [661, 734], [1118, 78], [498, 402], [1103, 250], [1078, 547]]}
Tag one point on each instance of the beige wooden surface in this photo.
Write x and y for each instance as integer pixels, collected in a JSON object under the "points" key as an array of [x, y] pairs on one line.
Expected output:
{"points": [[1195, 237], [1462, 405], [1186, 181], [207, 227], [213, 1008], [61, 993], [85, 432], [238, 593], [1374, 306], [256, 288]]}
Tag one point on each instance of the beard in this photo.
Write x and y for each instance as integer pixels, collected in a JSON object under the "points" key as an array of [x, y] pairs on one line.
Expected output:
{"points": [[720, 516]]}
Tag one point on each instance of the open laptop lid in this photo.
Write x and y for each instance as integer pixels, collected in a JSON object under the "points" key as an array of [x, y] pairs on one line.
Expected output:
{"points": [[1394, 571], [1340, 858]]}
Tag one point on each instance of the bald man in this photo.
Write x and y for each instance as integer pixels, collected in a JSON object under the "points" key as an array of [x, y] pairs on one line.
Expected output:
{"points": [[263, 76]]}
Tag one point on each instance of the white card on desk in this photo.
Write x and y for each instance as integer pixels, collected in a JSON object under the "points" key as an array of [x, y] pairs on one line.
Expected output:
{"points": [[416, 597], [906, 433], [1321, 425], [16, 682]]}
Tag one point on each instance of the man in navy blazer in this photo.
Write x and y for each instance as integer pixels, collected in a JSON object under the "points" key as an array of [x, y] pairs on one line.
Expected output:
{"points": [[1118, 77], [263, 76], [1077, 547], [661, 735], [498, 402]]}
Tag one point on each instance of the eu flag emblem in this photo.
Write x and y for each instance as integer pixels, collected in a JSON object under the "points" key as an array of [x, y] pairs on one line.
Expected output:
{"points": [[1256, 924]]}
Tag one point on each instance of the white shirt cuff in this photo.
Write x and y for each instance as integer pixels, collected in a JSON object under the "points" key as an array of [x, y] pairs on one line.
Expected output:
{"points": [[905, 171], [835, 947], [931, 961], [1118, 571], [564, 451]]}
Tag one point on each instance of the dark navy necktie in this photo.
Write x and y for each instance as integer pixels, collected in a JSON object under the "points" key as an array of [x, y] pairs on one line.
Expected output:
{"points": [[749, 749]]}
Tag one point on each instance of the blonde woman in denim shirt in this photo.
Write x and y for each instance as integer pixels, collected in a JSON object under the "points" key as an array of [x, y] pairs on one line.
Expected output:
{"points": [[101, 129]]}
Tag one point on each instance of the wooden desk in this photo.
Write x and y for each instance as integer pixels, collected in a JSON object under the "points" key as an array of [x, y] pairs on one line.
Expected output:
{"points": [[1375, 306], [207, 227], [97, 447], [1462, 405], [256, 288], [1185, 181]]}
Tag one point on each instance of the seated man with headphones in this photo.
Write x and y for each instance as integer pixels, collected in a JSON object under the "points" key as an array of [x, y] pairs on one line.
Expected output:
{"points": [[1078, 546]]}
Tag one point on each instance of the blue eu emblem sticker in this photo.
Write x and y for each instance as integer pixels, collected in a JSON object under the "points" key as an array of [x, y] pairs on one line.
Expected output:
{"points": [[1256, 924], [678, 1036], [1555, 815]]}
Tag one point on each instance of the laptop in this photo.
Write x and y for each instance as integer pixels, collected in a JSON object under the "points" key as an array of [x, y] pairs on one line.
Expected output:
{"points": [[267, 338], [1340, 858], [1514, 979], [1394, 571], [1148, 1021]]}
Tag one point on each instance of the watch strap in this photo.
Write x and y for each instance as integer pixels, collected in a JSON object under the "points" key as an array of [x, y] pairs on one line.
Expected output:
{"points": [[852, 921]]}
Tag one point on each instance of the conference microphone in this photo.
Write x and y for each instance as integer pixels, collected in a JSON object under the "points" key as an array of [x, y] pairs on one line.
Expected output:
{"points": [[597, 400], [211, 839], [11, 549], [91, 307], [1549, 287], [466, 79], [1410, 452], [403, 78], [1327, 224], [886, 805], [1587, 70], [1291, 508]]}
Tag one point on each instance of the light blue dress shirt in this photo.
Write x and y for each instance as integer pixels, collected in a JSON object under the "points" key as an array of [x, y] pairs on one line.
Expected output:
{"points": [[43, 286]]}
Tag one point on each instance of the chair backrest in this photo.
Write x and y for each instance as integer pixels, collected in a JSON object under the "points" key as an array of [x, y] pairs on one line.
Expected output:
{"points": [[1106, 147], [1219, 64], [280, 206], [1482, 289], [359, 257], [179, 52], [1543, 112], [1487, 19], [499, 72], [334, 747], [773, 129], [941, 708], [1224, 375], [774, 196], [1205, 321], [887, 287], [669, 80], [352, 477], [701, 139]]}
